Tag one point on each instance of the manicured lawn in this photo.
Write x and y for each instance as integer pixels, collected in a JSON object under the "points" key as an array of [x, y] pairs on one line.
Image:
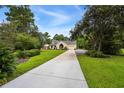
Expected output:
{"points": [[103, 72], [35, 61]]}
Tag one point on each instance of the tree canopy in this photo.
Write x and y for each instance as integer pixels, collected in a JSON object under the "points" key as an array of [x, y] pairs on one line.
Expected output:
{"points": [[104, 27], [60, 37]]}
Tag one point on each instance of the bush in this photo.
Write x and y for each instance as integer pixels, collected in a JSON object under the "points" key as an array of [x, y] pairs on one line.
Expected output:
{"points": [[82, 42], [121, 52], [33, 52], [22, 54], [7, 63], [27, 53], [26, 41], [98, 54], [3, 81], [19, 45]]}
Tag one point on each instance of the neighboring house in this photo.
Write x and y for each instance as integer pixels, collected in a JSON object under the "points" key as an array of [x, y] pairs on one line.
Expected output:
{"points": [[63, 44]]}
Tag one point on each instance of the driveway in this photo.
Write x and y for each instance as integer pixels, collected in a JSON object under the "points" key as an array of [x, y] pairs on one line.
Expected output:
{"points": [[61, 72]]}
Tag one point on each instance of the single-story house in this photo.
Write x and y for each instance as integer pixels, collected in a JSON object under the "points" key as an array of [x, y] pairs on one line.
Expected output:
{"points": [[63, 44]]}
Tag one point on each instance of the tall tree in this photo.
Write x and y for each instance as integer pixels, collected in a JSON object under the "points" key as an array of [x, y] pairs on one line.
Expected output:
{"points": [[22, 16], [104, 27], [60, 37]]}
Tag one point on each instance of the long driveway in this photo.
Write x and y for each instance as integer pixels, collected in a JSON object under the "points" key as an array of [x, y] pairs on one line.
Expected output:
{"points": [[61, 72]]}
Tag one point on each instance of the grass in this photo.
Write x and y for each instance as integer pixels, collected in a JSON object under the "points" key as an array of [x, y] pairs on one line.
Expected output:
{"points": [[103, 72], [34, 62]]}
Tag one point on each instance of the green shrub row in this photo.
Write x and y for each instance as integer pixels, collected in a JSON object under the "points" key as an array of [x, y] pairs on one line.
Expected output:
{"points": [[27, 53]]}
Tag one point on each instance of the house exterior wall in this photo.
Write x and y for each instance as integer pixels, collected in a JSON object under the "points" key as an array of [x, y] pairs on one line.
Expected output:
{"points": [[68, 46], [58, 45]]}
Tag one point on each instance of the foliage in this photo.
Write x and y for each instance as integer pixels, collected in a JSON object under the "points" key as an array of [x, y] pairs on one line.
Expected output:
{"points": [[25, 42], [20, 20], [22, 54], [104, 26], [82, 42], [44, 38], [27, 53], [103, 72], [7, 62], [23, 18], [7, 34], [121, 52], [33, 52], [60, 37]]}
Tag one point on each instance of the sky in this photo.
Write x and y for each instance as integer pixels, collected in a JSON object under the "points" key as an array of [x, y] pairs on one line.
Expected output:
{"points": [[54, 19]]}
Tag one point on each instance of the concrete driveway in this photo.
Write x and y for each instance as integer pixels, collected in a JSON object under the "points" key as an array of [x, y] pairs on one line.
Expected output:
{"points": [[61, 72]]}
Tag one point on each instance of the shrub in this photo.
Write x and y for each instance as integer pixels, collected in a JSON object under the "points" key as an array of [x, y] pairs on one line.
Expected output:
{"points": [[3, 81], [98, 54], [19, 45], [27, 53], [7, 63], [22, 54], [26, 41], [121, 52], [82, 42], [33, 52]]}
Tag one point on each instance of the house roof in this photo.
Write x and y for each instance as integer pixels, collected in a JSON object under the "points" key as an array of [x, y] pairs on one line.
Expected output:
{"points": [[55, 42]]}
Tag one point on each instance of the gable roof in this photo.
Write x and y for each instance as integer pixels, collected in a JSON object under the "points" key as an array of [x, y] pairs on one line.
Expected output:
{"points": [[55, 42]]}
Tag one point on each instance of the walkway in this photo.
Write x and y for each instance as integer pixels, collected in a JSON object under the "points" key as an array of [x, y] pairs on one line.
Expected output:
{"points": [[61, 72]]}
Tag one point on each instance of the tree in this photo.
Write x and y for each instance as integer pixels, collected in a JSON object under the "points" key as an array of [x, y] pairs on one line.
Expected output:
{"points": [[20, 20], [22, 16], [7, 63], [44, 38], [102, 26], [60, 37], [7, 34], [25, 42]]}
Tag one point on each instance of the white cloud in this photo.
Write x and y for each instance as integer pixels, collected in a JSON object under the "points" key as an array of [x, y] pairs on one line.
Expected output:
{"points": [[58, 18], [54, 14], [79, 9]]}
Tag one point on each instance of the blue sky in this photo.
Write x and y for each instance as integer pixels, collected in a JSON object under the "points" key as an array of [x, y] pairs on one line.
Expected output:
{"points": [[54, 19]]}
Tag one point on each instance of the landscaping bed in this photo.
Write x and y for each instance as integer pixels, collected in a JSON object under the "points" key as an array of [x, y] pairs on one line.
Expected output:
{"points": [[103, 72]]}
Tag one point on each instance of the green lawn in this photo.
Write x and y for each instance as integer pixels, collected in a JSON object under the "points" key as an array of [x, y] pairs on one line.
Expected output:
{"points": [[103, 72], [34, 62]]}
